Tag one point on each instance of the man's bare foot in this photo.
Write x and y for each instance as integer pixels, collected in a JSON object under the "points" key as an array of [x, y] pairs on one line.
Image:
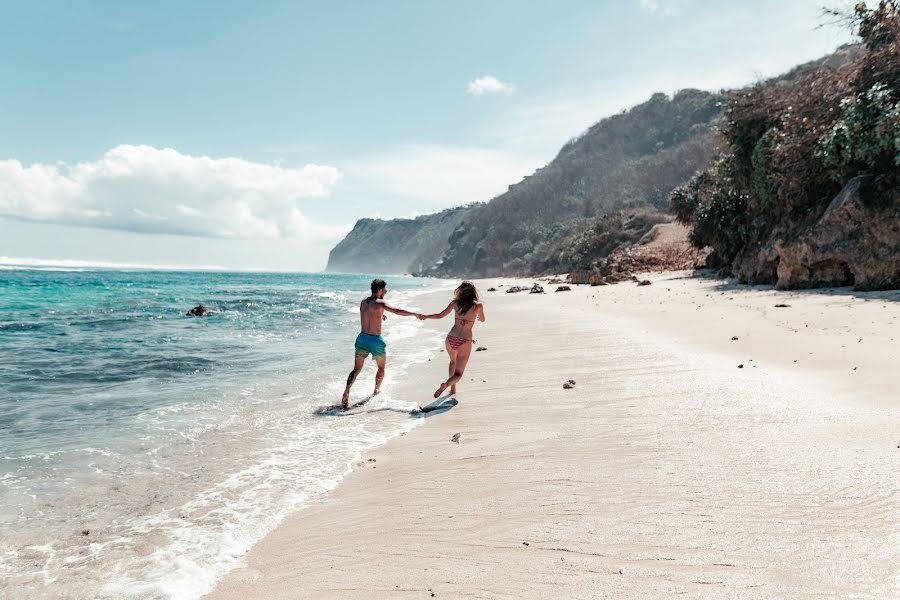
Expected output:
{"points": [[440, 390], [452, 390]]}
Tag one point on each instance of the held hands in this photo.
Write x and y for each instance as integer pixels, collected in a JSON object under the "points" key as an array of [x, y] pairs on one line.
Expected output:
{"points": [[420, 316]]}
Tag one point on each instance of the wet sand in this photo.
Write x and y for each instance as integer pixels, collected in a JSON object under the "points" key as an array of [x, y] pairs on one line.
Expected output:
{"points": [[667, 470]]}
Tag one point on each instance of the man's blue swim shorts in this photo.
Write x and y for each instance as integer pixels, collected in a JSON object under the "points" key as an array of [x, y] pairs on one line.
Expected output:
{"points": [[370, 344]]}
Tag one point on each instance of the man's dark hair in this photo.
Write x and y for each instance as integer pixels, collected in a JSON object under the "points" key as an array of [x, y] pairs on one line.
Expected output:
{"points": [[378, 284]]}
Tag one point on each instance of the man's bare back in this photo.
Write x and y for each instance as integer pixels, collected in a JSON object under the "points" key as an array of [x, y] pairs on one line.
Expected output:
{"points": [[369, 342]]}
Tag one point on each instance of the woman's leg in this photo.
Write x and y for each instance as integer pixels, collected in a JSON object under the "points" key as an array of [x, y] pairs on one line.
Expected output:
{"points": [[462, 359], [452, 353], [452, 369]]}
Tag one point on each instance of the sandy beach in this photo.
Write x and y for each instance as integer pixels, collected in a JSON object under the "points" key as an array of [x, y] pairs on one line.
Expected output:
{"points": [[715, 445]]}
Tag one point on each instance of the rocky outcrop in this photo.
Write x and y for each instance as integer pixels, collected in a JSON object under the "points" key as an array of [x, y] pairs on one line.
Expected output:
{"points": [[856, 242], [396, 246], [198, 311]]}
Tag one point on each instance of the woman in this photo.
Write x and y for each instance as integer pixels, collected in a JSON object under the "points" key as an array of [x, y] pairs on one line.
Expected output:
{"points": [[459, 341]]}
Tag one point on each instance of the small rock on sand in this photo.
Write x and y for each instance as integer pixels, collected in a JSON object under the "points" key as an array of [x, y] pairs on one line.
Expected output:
{"points": [[568, 386], [740, 366], [85, 532], [536, 289], [645, 282], [455, 438], [492, 289], [513, 289], [734, 338], [782, 306], [563, 288], [480, 349]]}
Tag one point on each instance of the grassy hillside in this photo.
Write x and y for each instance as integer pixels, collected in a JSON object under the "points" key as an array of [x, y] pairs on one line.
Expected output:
{"points": [[629, 162]]}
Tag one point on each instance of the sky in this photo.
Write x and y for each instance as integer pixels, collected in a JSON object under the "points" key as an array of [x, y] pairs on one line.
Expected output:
{"points": [[252, 135]]}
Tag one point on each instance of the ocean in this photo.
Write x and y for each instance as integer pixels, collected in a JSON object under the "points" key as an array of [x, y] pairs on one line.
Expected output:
{"points": [[143, 452]]}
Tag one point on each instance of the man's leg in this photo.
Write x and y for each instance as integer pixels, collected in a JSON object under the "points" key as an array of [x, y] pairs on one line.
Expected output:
{"points": [[357, 367], [379, 376]]}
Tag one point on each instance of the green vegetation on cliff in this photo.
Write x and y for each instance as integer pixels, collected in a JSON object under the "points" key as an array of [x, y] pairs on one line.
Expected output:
{"points": [[620, 170], [803, 193]]}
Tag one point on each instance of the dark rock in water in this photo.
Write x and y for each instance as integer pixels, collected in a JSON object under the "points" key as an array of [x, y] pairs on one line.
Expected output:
{"points": [[563, 288], [198, 311], [455, 438], [492, 289], [536, 289], [513, 289], [644, 282], [480, 349]]}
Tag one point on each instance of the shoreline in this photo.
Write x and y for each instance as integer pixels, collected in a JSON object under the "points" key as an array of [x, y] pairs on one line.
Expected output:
{"points": [[666, 469]]}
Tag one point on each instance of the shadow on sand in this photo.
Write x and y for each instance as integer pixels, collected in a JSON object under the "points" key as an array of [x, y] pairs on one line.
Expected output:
{"points": [[439, 406], [731, 285]]}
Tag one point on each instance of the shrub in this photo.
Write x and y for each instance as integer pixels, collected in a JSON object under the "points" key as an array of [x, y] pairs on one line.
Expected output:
{"points": [[867, 136]]}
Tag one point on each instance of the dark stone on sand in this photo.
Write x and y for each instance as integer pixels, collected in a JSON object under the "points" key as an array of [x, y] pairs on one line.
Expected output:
{"points": [[555, 281], [455, 438], [782, 306], [480, 349], [572, 381], [563, 288], [373, 460], [85, 532], [198, 311], [567, 386], [492, 289], [734, 338], [536, 289], [740, 366], [527, 544], [513, 289], [645, 282]]}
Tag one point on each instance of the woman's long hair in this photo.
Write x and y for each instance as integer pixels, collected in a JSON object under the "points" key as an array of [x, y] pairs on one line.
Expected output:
{"points": [[466, 296]]}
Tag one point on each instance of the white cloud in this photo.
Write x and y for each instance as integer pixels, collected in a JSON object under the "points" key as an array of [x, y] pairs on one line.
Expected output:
{"points": [[489, 85], [440, 176], [661, 7], [150, 190]]}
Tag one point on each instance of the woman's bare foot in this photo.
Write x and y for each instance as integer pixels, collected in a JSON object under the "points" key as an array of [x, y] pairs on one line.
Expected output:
{"points": [[345, 401], [376, 392], [440, 390], [452, 390]]}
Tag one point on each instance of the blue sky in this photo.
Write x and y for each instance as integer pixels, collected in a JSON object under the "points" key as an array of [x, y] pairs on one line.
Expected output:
{"points": [[253, 135]]}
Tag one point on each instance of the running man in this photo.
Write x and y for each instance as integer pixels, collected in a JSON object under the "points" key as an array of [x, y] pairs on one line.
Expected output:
{"points": [[371, 314]]}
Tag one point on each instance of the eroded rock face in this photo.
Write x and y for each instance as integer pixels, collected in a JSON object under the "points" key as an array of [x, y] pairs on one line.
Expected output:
{"points": [[855, 242]]}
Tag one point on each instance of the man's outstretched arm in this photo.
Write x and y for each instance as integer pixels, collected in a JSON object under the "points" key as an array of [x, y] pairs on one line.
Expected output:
{"points": [[397, 311]]}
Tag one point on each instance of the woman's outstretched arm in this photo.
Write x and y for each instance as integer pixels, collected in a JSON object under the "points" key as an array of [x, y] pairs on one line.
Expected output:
{"points": [[441, 314]]}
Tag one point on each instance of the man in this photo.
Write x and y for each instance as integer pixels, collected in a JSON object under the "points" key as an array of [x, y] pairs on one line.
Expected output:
{"points": [[371, 314]]}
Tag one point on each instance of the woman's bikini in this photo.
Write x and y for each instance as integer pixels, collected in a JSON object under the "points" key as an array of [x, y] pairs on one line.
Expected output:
{"points": [[455, 342]]}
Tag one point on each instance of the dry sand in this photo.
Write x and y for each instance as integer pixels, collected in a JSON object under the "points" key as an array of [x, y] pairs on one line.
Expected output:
{"points": [[666, 471]]}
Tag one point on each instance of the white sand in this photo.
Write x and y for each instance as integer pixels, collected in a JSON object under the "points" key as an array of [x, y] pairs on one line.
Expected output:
{"points": [[666, 471]]}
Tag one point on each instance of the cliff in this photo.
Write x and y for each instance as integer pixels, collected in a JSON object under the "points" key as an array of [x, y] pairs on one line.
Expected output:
{"points": [[396, 246]]}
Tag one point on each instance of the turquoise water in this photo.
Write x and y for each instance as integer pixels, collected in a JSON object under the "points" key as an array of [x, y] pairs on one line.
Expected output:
{"points": [[175, 442]]}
